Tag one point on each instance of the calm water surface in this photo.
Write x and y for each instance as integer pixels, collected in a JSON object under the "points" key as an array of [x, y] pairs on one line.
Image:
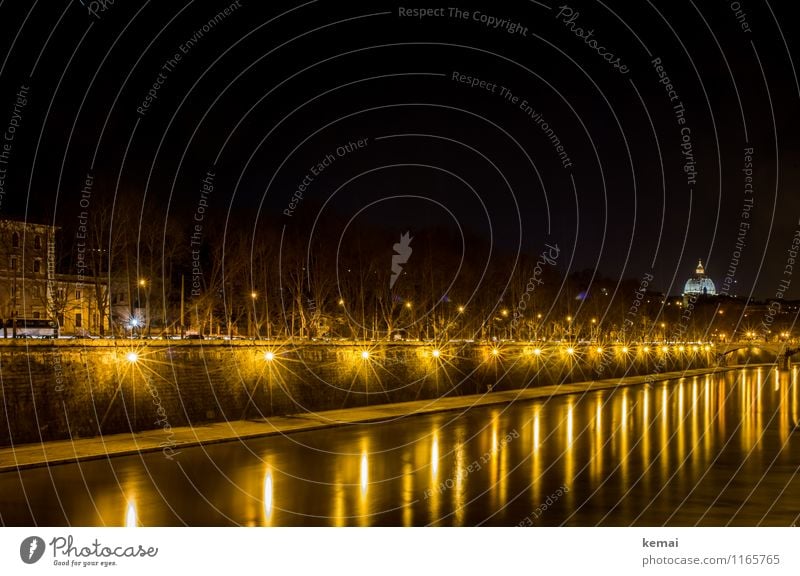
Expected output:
{"points": [[710, 450]]}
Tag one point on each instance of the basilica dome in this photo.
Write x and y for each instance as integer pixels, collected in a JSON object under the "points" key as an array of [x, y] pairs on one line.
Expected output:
{"points": [[699, 283]]}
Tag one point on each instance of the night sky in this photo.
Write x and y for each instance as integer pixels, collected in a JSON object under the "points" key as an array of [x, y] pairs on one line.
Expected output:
{"points": [[383, 99]]}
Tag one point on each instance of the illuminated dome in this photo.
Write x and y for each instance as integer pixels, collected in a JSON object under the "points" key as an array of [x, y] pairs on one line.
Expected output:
{"points": [[699, 283]]}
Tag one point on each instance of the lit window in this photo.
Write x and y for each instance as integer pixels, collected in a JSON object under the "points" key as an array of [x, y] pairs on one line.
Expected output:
{"points": [[78, 320], [77, 294], [36, 315]]}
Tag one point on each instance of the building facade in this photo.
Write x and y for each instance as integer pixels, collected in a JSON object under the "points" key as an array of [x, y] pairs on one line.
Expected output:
{"points": [[31, 287]]}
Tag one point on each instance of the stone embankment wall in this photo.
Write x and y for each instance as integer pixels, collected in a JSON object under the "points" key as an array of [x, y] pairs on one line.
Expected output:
{"points": [[63, 389]]}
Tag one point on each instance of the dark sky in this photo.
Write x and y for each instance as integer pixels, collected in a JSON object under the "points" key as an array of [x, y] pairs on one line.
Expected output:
{"points": [[274, 88]]}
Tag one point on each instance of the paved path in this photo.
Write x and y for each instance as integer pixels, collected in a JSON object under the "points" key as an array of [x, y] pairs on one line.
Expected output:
{"points": [[65, 451]]}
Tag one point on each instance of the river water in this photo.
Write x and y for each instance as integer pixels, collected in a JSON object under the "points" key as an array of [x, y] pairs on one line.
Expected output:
{"points": [[709, 450]]}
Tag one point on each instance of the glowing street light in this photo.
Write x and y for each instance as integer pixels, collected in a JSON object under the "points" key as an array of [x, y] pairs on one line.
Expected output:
{"points": [[132, 357], [495, 351], [570, 350], [435, 353], [408, 305], [269, 356], [537, 351], [341, 302], [460, 309], [365, 354]]}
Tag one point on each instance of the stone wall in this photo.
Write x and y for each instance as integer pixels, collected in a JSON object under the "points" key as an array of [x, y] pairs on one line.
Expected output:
{"points": [[57, 390]]}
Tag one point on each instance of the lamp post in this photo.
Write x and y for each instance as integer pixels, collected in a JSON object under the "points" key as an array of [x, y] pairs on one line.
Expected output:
{"points": [[144, 286], [251, 315]]}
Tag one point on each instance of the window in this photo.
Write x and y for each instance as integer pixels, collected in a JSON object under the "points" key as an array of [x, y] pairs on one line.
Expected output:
{"points": [[35, 291], [13, 263], [61, 293], [15, 240], [37, 266], [37, 242], [78, 320], [77, 294], [13, 291], [36, 315]]}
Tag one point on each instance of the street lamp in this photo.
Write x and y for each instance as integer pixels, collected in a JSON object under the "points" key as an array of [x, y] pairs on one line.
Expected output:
{"points": [[143, 285]]}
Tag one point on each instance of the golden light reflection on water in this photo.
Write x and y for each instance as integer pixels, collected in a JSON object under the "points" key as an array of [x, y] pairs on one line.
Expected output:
{"points": [[663, 450], [436, 485], [645, 439], [708, 430], [624, 456], [408, 494], [680, 423], [338, 513], [268, 497], [569, 451], [794, 397], [363, 501], [596, 462], [696, 456], [459, 490], [131, 520], [435, 453], [536, 459], [494, 468], [635, 439]]}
